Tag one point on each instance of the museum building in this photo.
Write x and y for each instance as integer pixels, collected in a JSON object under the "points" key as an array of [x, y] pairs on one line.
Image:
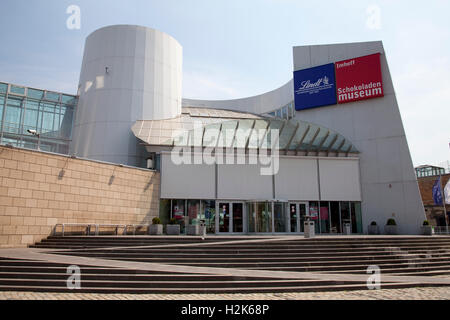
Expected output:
{"points": [[329, 145]]}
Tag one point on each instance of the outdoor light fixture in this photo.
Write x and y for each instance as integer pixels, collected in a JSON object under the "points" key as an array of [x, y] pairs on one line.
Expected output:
{"points": [[38, 135]]}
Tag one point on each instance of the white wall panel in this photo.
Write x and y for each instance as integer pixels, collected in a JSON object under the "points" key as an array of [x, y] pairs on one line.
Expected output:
{"points": [[243, 182], [339, 179], [297, 179], [259, 104], [186, 181]]}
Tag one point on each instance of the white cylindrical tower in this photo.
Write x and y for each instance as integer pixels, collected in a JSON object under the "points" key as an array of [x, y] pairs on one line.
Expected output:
{"points": [[128, 73]]}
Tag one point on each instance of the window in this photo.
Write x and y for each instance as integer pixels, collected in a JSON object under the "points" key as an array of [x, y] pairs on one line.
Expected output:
{"points": [[35, 94], [68, 99], [345, 213], [193, 211], [164, 210], [2, 102], [13, 114], [285, 112], [178, 212], [3, 88], [30, 121], [314, 214], [324, 217], [208, 214], [66, 121], [52, 96], [17, 90]]}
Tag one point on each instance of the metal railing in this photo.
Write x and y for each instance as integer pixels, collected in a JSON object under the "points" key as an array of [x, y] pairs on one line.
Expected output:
{"points": [[133, 228], [441, 230], [96, 228]]}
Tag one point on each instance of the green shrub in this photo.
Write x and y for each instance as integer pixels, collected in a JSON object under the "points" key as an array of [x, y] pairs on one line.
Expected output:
{"points": [[426, 223], [156, 220], [391, 222], [373, 223], [173, 221]]}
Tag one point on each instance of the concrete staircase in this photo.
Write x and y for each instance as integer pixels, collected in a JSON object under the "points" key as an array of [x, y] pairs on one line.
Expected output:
{"points": [[402, 256]]}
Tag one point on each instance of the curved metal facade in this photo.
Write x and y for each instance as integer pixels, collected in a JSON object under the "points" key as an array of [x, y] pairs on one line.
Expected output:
{"points": [[128, 73]]}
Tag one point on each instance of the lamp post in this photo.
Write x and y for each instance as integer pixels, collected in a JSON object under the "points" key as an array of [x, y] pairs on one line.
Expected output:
{"points": [[38, 135]]}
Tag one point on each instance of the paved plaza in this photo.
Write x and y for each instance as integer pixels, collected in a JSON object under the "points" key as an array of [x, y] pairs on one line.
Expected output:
{"points": [[433, 293]]}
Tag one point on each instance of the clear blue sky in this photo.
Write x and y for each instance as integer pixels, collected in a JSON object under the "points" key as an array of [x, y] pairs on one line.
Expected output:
{"points": [[240, 48]]}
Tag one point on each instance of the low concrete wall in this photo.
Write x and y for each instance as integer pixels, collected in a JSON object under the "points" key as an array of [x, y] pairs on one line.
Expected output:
{"points": [[39, 190]]}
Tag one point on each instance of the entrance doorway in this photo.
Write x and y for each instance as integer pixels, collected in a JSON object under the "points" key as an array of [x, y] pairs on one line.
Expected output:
{"points": [[296, 218], [230, 217]]}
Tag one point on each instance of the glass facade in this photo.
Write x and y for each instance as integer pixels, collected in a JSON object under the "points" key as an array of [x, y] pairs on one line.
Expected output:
{"points": [[264, 216], [49, 114], [429, 171], [198, 211], [286, 112]]}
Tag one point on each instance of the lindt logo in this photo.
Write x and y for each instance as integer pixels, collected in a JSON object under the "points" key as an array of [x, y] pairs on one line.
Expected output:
{"points": [[308, 84]]}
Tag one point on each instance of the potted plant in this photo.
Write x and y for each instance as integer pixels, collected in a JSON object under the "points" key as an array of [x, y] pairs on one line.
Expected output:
{"points": [[426, 228], [173, 228], [390, 227], [156, 228], [373, 228]]}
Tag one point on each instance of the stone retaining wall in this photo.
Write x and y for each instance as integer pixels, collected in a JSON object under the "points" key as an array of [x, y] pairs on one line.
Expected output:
{"points": [[39, 190]]}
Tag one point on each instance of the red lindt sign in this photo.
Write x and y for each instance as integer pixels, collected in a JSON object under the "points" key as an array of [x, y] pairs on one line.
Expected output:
{"points": [[359, 79]]}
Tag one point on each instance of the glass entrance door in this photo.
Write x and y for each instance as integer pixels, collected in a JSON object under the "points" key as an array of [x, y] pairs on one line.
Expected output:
{"points": [[230, 217], [238, 217], [297, 213], [224, 217], [259, 217]]}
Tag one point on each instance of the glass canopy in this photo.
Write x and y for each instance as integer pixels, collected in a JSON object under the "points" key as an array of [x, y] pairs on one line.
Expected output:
{"points": [[203, 127]]}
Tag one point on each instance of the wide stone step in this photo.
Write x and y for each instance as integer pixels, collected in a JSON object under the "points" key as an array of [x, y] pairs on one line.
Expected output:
{"points": [[168, 284], [352, 268], [423, 270], [130, 277], [274, 241], [244, 261], [234, 242], [298, 238], [85, 269], [252, 256], [213, 250]]}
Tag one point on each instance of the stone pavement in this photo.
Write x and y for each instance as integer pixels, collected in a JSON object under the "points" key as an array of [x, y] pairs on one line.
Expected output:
{"points": [[433, 293]]}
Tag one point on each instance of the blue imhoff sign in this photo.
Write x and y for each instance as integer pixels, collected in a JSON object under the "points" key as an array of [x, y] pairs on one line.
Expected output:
{"points": [[315, 87]]}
